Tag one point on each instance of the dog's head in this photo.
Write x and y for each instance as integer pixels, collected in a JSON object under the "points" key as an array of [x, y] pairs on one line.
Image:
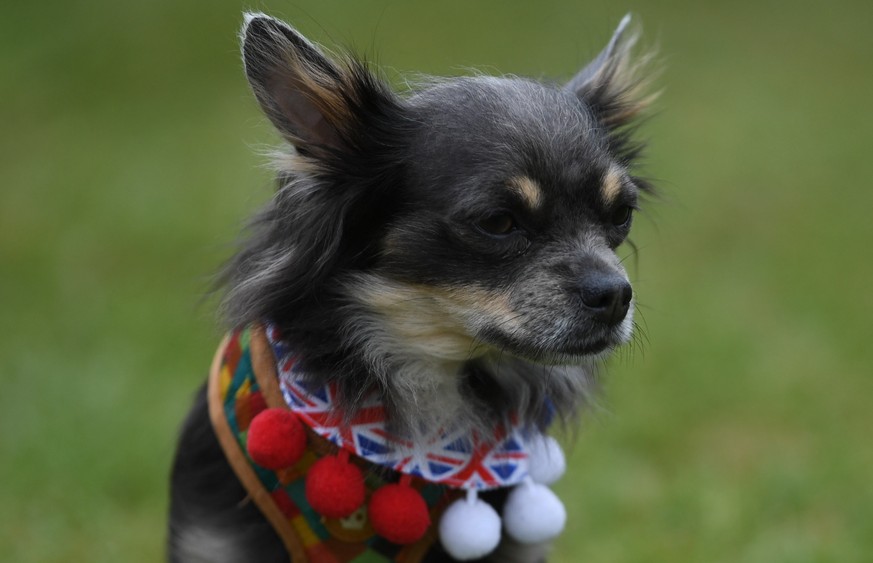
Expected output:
{"points": [[469, 221]]}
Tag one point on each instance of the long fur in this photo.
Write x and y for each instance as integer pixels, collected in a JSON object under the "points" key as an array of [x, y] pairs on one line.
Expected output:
{"points": [[451, 249]]}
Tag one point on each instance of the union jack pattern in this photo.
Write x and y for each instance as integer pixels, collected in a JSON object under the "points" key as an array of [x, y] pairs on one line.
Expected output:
{"points": [[451, 457]]}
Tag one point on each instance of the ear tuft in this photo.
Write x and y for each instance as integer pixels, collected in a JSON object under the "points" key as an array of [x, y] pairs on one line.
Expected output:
{"points": [[615, 84], [247, 19]]}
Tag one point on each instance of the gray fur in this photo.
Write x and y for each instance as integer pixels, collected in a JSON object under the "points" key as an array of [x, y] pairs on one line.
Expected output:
{"points": [[376, 259], [453, 137]]}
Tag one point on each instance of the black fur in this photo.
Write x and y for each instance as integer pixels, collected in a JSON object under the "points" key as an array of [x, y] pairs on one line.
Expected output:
{"points": [[211, 517], [451, 249]]}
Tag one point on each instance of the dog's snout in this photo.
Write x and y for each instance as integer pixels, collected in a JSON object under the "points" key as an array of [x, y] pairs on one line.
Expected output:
{"points": [[607, 297]]}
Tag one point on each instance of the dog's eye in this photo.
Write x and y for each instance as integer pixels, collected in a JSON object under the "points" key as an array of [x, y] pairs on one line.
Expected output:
{"points": [[622, 215], [497, 224]]}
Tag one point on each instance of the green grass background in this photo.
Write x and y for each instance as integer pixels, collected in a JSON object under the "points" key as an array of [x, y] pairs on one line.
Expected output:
{"points": [[741, 432]]}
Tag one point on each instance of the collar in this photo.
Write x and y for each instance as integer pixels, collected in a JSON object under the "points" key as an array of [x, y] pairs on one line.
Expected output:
{"points": [[254, 371], [446, 456]]}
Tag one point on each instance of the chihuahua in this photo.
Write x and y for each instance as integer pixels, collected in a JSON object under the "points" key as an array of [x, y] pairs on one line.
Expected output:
{"points": [[450, 250]]}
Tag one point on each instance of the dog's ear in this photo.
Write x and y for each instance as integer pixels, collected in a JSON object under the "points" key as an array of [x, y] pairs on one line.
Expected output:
{"points": [[347, 127], [613, 84], [309, 98]]}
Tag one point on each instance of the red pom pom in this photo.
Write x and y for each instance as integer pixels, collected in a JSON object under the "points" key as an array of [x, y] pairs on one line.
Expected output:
{"points": [[335, 487], [276, 439], [399, 514]]}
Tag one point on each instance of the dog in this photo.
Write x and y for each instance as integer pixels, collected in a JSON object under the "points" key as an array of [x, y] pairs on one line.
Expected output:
{"points": [[449, 253]]}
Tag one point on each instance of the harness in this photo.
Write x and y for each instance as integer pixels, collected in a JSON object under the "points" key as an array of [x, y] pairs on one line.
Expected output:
{"points": [[254, 371]]}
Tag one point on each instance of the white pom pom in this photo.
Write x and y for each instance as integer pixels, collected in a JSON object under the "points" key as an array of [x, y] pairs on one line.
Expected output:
{"points": [[546, 463], [469, 528], [533, 513]]}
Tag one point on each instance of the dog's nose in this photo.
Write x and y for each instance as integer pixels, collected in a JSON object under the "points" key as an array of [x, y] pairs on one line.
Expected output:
{"points": [[607, 297]]}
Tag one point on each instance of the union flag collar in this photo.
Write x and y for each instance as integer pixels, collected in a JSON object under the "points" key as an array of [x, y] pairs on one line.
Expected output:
{"points": [[448, 456]]}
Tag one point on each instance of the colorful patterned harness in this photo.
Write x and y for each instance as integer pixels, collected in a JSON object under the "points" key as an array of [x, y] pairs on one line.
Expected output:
{"points": [[253, 370]]}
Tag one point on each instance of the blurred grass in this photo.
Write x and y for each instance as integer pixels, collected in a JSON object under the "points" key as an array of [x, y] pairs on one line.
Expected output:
{"points": [[739, 433]]}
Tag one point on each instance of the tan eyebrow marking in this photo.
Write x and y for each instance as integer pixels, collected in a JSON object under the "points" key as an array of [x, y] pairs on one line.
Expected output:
{"points": [[528, 189], [611, 185]]}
